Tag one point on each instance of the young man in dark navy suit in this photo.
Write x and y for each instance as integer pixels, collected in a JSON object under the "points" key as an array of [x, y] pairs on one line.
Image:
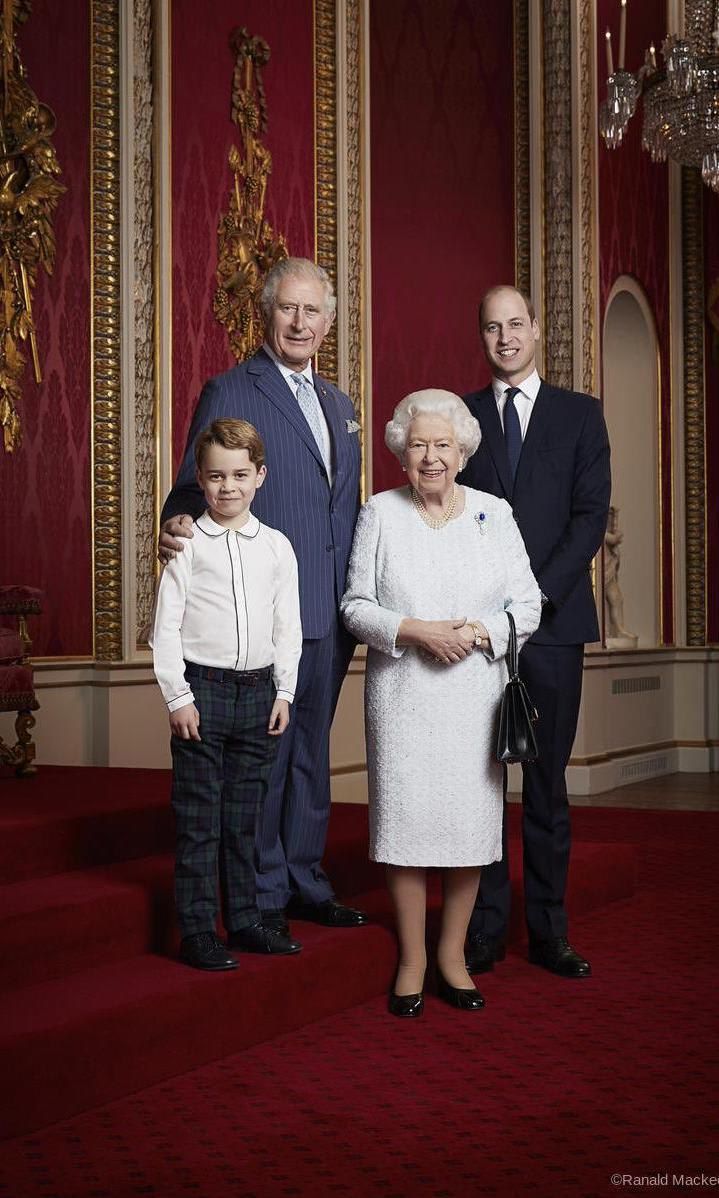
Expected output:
{"points": [[311, 495], [546, 451]]}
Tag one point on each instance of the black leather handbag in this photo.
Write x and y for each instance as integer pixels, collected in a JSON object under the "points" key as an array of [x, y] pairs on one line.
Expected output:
{"points": [[516, 740]]}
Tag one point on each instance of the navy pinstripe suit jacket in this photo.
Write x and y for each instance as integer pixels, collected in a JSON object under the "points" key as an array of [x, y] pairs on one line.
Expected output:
{"points": [[296, 498]]}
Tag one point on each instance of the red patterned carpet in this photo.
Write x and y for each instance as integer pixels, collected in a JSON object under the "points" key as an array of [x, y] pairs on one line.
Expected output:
{"points": [[551, 1090]]}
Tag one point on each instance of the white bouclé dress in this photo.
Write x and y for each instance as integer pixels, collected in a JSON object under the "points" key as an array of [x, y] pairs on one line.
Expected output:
{"points": [[435, 789]]}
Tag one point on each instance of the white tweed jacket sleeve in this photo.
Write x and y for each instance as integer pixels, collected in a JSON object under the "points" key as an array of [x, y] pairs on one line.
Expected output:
{"points": [[361, 611]]}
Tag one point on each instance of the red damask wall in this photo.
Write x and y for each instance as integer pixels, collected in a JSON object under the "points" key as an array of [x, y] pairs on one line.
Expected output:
{"points": [[202, 133], [46, 502], [442, 199], [634, 232], [711, 273]]}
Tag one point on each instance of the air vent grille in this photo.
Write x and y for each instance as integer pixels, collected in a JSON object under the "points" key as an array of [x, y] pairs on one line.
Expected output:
{"points": [[641, 769], [633, 686]]}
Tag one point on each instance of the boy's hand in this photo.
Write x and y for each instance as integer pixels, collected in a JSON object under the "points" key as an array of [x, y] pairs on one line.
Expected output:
{"points": [[185, 722], [279, 717], [168, 543]]}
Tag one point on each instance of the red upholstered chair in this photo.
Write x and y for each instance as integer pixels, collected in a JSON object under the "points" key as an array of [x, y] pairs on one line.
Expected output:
{"points": [[16, 685]]}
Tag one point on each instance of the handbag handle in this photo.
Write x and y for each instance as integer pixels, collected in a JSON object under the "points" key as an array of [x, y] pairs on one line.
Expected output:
{"points": [[512, 655], [513, 664]]}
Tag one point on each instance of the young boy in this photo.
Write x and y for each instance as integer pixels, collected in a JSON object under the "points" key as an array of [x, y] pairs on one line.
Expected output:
{"points": [[226, 644]]}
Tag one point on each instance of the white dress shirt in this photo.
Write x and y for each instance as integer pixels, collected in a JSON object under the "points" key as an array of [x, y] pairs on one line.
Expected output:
{"points": [[523, 400], [229, 600], [287, 372]]}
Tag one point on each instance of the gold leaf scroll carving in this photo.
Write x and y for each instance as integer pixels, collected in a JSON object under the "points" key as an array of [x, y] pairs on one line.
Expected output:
{"points": [[29, 192], [247, 247]]}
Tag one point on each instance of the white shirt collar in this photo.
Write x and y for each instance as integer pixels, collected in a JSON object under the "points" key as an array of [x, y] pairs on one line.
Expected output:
{"points": [[213, 529], [287, 371], [529, 388]]}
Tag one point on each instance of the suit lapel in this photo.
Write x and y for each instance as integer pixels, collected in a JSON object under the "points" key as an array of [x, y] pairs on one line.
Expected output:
{"points": [[271, 383], [494, 439]]}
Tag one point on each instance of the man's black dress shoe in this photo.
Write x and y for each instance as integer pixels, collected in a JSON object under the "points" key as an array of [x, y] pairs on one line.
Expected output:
{"points": [[463, 1000], [330, 914], [558, 956], [205, 950], [276, 919], [406, 1006], [259, 938], [482, 951]]}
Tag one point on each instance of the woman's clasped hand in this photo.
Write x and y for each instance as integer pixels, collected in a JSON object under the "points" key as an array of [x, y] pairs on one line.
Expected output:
{"points": [[443, 640]]}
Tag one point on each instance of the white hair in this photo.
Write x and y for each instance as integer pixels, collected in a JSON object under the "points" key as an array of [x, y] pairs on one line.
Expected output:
{"points": [[433, 402], [296, 268]]}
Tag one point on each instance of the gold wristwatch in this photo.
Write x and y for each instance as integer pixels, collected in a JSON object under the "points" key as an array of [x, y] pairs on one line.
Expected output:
{"points": [[479, 636]]}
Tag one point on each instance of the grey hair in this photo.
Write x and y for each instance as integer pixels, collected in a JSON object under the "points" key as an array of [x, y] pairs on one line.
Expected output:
{"points": [[292, 268], [433, 402]]}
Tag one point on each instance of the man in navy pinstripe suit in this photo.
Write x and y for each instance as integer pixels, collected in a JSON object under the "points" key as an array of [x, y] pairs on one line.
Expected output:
{"points": [[312, 495]]}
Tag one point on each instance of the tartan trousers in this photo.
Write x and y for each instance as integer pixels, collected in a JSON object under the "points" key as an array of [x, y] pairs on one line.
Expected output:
{"points": [[218, 787]]}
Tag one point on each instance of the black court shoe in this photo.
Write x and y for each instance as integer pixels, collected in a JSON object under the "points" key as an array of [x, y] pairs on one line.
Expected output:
{"points": [[463, 1000], [405, 1006]]}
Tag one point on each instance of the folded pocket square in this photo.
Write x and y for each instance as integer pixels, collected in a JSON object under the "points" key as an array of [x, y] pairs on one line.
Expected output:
{"points": [[353, 426]]}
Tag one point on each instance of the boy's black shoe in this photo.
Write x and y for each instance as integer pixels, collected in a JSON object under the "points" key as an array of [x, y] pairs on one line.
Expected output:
{"points": [[259, 938], [205, 950]]}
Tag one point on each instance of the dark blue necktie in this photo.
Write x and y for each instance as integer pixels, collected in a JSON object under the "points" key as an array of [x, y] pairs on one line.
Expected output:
{"points": [[512, 430]]}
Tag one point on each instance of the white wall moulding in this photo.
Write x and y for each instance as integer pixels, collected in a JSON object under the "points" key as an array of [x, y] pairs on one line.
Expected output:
{"points": [[113, 715], [644, 713]]}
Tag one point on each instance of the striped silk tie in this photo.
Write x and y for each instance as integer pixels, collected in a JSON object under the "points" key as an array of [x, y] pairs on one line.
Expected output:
{"points": [[310, 408], [512, 430]]}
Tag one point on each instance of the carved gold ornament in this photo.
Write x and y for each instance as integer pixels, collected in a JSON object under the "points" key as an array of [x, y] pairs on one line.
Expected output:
{"points": [[247, 248], [29, 192]]}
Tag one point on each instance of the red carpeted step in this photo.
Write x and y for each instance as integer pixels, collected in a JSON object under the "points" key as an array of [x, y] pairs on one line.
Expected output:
{"points": [[62, 819], [108, 1030], [50, 927], [118, 1028], [114, 1018], [553, 1087]]}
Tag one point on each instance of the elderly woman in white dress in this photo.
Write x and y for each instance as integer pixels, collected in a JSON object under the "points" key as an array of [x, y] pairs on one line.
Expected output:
{"points": [[434, 569]]}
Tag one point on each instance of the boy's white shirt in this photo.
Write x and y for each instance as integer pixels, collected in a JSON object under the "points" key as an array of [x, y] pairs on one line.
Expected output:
{"points": [[229, 600]]}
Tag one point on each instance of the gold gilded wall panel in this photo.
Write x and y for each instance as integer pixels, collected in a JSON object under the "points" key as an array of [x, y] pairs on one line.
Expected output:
{"points": [[355, 213], [325, 67], [145, 390], [522, 205], [557, 198], [694, 466], [105, 329], [588, 265]]}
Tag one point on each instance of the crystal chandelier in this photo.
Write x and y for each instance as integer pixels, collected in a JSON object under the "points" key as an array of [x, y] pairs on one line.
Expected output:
{"points": [[680, 99]]}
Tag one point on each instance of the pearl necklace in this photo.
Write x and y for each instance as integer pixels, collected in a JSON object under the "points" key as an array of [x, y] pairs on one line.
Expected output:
{"points": [[430, 520]]}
